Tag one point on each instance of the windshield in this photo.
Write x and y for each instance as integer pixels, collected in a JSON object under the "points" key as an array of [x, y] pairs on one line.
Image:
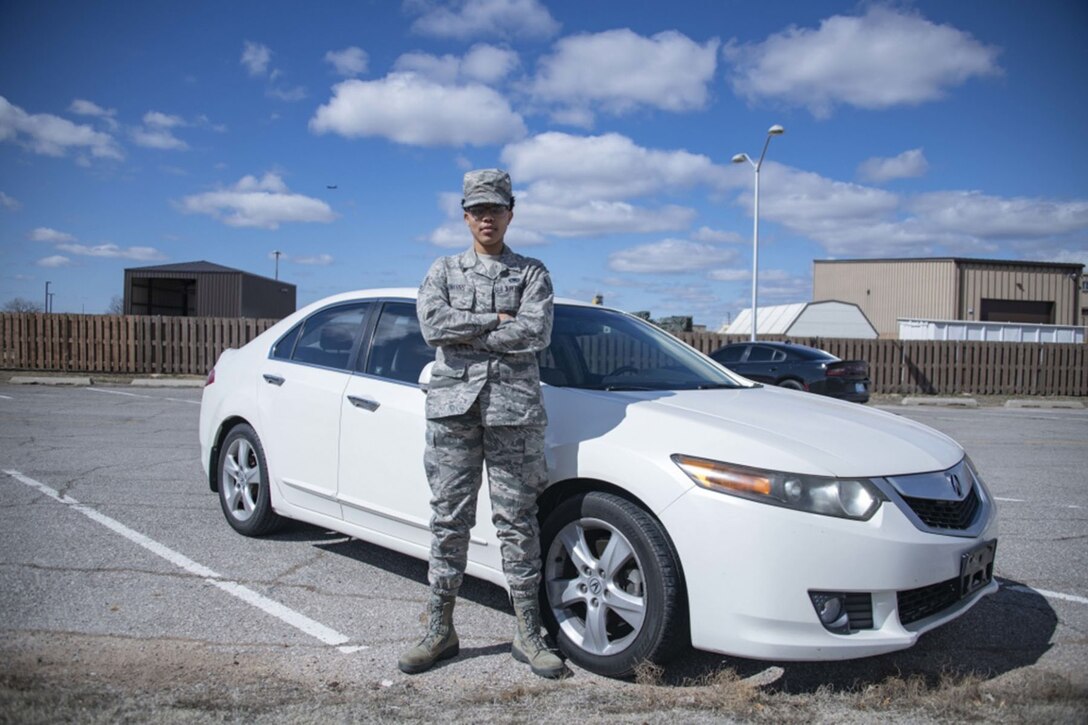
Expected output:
{"points": [[599, 349]]}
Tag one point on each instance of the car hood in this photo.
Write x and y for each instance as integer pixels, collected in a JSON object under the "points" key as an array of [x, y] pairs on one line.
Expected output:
{"points": [[767, 427]]}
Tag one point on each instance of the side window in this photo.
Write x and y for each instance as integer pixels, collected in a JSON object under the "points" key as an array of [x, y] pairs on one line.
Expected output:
{"points": [[779, 356], [286, 344], [730, 354], [398, 351], [758, 353], [328, 335]]}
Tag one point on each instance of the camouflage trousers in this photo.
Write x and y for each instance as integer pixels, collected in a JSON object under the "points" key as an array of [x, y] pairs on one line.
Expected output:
{"points": [[457, 447]]}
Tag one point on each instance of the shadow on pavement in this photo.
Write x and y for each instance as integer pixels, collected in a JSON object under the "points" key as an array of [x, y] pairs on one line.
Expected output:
{"points": [[1005, 631]]}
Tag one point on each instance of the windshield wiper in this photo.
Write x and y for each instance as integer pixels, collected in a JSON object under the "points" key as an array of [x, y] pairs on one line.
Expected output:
{"points": [[614, 388], [717, 386]]}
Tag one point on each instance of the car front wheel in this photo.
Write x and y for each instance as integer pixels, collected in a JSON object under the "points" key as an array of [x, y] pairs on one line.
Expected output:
{"points": [[613, 593], [243, 484]]}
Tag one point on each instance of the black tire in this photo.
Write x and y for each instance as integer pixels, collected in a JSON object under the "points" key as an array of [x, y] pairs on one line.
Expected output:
{"points": [[791, 385], [244, 492], [646, 578]]}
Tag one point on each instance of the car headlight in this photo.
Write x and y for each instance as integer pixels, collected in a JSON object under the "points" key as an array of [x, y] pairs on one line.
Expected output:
{"points": [[848, 498]]}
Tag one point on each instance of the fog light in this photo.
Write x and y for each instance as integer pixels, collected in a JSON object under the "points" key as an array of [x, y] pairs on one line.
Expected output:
{"points": [[831, 609]]}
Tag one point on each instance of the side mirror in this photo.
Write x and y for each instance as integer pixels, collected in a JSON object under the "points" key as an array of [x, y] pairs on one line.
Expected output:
{"points": [[425, 376]]}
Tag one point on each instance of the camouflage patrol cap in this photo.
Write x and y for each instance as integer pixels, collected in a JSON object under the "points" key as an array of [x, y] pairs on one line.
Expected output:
{"points": [[487, 186]]}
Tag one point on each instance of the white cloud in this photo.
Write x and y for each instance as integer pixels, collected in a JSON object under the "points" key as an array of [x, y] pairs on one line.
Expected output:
{"points": [[256, 57], [706, 234], [156, 133], [599, 218], [45, 234], [348, 62], [991, 217], [52, 262], [318, 260], [112, 251], [744, 274], [82, 107], [264, 203], [50, 135], [298, 93], [485, 64], [464, 19], [562, 167], [488, 63], [906, 165], [881, 59], [619, 70], [412, 110], [669, 255], [10, 203]]}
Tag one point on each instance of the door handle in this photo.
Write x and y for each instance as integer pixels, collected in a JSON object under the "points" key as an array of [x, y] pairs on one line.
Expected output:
{"points": [[274, 379], [364, 403]]}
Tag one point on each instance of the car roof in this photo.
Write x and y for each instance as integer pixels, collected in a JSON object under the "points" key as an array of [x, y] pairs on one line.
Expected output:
{"points": [[796, 347], [412, 293]]}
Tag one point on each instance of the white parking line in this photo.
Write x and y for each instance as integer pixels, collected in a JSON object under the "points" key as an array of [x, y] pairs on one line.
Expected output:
{"points": [[1044, 593], [7, 397], [117, 392], [138, 395], [279, 611], [1009, 500]]}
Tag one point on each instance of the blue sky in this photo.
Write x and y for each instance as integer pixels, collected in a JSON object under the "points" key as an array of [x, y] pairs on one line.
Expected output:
{"points": [[137, 133]]}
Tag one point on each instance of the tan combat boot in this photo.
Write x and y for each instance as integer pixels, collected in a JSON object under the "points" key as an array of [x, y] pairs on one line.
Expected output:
{"points": [[529, 646], [440, 642]]}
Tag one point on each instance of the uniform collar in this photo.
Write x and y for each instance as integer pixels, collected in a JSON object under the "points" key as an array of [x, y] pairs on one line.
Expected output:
{"points": [[469, 260]]}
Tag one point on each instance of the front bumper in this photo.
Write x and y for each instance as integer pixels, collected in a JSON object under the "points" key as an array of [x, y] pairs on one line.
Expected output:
{"points": [[749, 568]]}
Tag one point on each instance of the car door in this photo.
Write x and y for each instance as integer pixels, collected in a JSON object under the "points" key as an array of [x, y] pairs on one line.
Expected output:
{"points": [[759, 364], [383, 486], [299, 397]]}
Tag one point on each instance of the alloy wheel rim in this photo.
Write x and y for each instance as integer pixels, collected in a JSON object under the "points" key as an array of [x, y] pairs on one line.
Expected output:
{"points": [[241, 479], [595, 587]]}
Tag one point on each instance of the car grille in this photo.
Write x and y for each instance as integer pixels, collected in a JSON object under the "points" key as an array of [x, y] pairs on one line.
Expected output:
{"points": [[915, 604], [952, 515], [859, 610]]}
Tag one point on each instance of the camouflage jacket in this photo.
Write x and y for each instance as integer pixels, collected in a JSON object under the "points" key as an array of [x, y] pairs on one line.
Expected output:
{"points": [[478, 358]]}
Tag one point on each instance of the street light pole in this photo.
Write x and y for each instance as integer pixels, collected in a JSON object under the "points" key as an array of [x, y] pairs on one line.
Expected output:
{"points": [[774, 130], [46, 308], [277, 253]]}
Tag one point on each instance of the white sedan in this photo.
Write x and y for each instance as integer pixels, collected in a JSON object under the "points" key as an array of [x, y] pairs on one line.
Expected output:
{"points": [[686, 504]]}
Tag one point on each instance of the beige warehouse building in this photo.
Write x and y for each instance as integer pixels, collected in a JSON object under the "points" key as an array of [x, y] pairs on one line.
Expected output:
{"points": [[951, 288]]}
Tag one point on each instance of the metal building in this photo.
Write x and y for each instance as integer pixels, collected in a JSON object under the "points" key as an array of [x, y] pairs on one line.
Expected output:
{"points": [[953, 288], [827, 318], [204, 289]]}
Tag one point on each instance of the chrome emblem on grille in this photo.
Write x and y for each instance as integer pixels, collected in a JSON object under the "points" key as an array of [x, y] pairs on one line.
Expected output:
{"points": [[954, 481]]}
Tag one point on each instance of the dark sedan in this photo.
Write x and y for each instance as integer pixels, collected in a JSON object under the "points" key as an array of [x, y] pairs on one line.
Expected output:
{"points": [[798, 367]]}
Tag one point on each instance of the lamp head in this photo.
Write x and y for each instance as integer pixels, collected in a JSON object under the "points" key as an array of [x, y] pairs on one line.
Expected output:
{"points": [[776, 130], [740, 158]]}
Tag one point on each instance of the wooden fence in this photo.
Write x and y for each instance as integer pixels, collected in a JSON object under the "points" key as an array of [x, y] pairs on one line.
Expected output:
{"points": [[949, 367], [191, 345], [120, 343]]}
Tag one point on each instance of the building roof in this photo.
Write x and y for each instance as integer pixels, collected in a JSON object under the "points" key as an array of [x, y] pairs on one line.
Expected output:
{"points": [[774, 320], [956, 260], [200, 266]]}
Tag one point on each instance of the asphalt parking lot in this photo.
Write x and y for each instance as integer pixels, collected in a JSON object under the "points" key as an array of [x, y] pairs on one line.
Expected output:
{"points": [[124, 595]]}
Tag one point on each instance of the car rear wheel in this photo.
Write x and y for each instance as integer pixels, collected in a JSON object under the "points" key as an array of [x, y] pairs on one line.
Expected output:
{"points": [[243, 484], [613, 593], [791, 385]]}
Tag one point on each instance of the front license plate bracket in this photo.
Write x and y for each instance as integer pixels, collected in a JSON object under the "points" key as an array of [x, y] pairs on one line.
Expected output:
{"points": [[977, 568]]}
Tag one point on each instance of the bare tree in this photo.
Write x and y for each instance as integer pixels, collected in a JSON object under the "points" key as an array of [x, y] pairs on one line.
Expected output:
{"points": [[22, 304], [116, 306]]}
